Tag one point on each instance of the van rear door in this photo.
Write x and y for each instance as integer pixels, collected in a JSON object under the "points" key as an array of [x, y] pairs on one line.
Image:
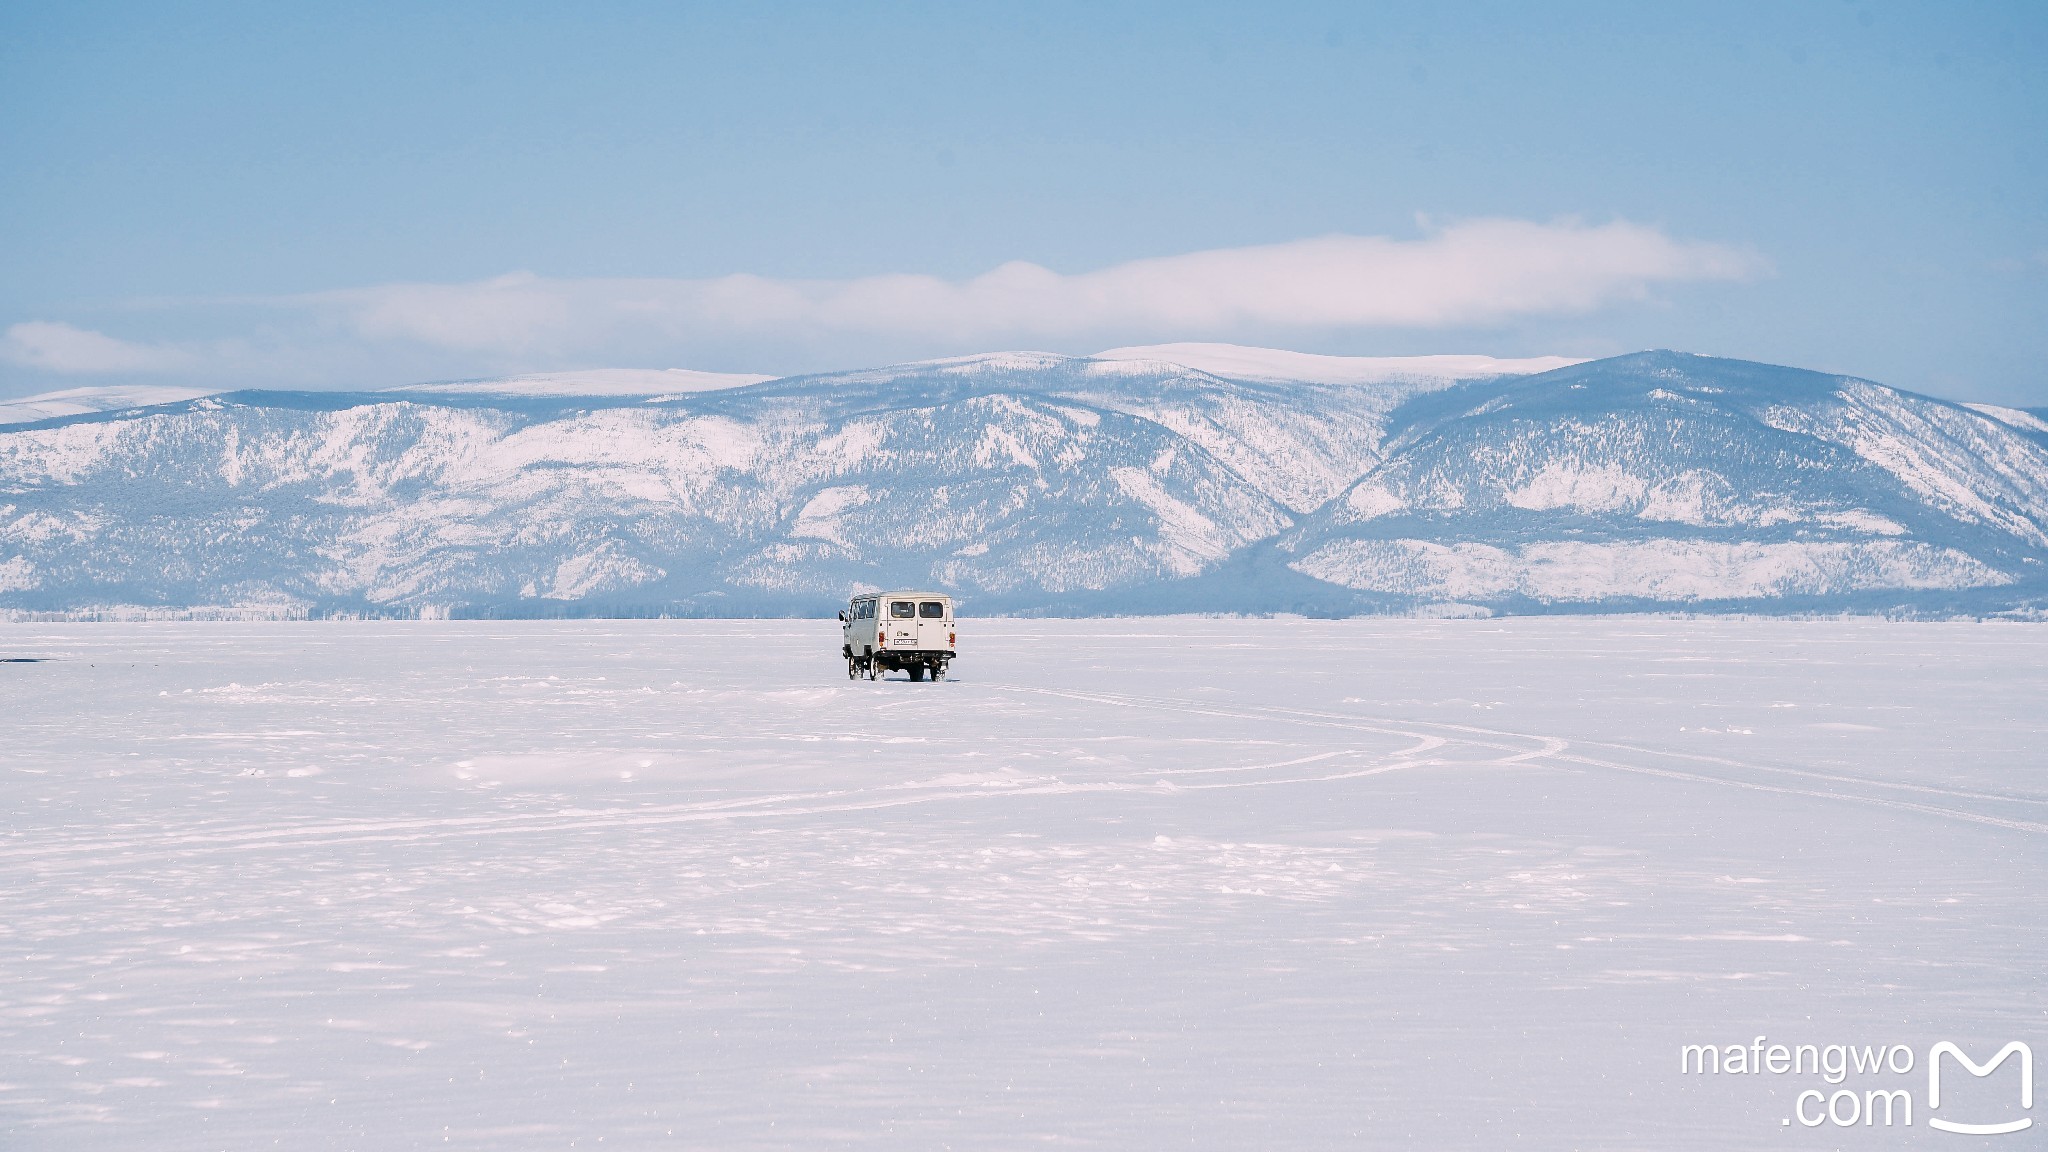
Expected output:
{"points": [[934, 621], [900, 623]]}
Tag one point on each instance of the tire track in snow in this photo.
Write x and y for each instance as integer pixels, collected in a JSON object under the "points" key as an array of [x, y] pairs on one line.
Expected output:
{"points": [[1879, 801], [144, 849], [1831, 777], [473, 827], [1513, 747], [1373, 724], [229, 836], [1555, 748], [138, 849]]}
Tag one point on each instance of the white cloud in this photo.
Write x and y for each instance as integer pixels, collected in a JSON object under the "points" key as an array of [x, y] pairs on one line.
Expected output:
{"points": [[58, 347], [1469, 275], [1476, 273]]}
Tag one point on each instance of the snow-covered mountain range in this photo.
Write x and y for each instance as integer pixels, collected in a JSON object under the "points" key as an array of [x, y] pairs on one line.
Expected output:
{"points": [[1186, 477]]}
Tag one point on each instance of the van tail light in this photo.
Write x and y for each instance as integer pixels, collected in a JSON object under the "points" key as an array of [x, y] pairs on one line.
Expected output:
{"points": [[881, 638], [949, 640]]}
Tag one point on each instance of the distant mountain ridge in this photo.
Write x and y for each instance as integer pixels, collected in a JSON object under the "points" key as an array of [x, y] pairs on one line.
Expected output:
{"points": [[1241, 363], [86, 401], [1665, 478], [1029, 482], [593, 382]]}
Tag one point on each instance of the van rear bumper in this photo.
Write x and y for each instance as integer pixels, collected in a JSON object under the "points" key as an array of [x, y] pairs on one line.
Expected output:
{"points": [[884, 655]]}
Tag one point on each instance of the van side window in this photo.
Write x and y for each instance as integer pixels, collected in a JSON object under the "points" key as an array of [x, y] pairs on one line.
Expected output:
{"points": [[867, 610], [932, 610], [902, 609]]}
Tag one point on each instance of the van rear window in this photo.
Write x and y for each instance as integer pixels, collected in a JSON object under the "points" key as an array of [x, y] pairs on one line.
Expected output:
{"points": [[932, 610], [902, 609]]}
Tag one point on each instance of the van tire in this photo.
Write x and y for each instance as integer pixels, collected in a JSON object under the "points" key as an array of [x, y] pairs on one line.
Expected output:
{"points": [[917, 672]]}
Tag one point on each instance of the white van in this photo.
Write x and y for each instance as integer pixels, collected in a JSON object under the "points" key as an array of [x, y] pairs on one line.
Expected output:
{"points": [[905, 631]]}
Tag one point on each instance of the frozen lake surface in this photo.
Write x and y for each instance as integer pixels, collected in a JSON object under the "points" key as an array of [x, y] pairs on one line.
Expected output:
{"points": [[1120, 884]]}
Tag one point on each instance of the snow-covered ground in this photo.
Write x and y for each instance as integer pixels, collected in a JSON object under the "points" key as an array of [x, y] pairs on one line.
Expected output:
{"points": [[1120, 884]]}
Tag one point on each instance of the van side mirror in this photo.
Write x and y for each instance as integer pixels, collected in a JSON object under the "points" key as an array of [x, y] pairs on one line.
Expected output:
{"points": [[842, 616]]}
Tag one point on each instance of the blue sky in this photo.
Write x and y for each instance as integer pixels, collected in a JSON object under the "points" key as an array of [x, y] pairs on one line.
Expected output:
{"points": [[364, 195]]}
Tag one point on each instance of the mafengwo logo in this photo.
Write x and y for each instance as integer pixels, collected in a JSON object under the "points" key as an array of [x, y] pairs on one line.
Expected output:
{"points": [[1945, 1048], [1884, 1105]]}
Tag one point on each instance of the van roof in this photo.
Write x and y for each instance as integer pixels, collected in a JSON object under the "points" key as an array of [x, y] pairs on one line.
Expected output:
{"points": [[903, 592]]}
